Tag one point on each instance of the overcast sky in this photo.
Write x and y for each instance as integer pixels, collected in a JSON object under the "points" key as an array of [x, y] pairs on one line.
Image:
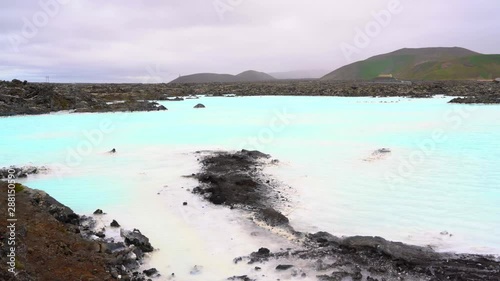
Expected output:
{"points": [[156, 40]]}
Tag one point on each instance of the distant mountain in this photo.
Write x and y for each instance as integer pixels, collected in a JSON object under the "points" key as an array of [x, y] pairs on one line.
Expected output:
{"points": [[300, 74], [247, 76], [254, 76], [204, 78], [423, 64]]}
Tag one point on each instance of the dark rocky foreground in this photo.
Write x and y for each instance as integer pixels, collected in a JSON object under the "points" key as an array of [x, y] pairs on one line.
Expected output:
{"points": [[236, 180], [53, 243], [17, 97]]}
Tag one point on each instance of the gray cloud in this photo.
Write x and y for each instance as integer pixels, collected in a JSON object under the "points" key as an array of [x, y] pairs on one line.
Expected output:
{"points": [[118, 41]]}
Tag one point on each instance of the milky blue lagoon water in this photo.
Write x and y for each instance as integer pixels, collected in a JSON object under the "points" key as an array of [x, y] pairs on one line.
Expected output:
{"points": [[442, 174]]}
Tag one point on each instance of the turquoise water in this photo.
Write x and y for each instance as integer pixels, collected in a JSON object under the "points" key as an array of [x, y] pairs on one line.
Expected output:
{"points": [[441, 175]]}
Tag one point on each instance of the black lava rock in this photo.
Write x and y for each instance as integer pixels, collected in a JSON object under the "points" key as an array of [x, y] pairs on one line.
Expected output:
{"points": [[284, 267], [264, 252], [150, 272]]}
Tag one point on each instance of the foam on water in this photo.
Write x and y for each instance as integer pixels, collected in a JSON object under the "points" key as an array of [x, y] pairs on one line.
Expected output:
{"points": [[324, 144], [148, 194]]}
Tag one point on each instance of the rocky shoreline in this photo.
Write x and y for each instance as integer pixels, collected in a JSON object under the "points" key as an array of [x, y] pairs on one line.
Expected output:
{"points": [[23, 98], [21, 172], [230, 179], [416, 89], [236, 180], [54, 243], [18, 97], [483, 99]]}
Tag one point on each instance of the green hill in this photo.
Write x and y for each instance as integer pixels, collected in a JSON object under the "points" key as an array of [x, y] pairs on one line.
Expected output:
{"points": [[423, 64]]}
